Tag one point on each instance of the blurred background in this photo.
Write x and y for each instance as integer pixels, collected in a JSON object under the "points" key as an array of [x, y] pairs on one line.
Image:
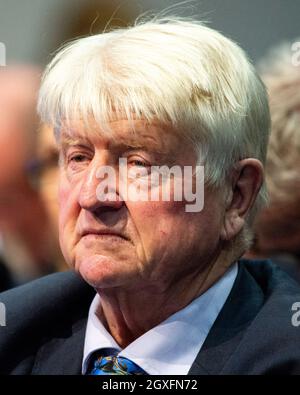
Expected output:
{"points": [[32, 30]]}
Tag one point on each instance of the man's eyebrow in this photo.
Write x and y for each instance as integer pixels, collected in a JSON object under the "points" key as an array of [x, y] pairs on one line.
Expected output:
{"points": [[147, 143], [67, 140]]}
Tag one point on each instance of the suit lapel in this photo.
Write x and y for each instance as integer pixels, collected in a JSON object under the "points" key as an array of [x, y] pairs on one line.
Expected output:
{"points": [[244, 302]]}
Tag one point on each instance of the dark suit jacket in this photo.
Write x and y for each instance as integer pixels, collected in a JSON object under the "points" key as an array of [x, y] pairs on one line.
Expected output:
{"points": [[253, 334]]}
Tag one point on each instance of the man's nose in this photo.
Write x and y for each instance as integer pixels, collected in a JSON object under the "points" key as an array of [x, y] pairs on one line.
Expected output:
{"points": [[97, 191]]}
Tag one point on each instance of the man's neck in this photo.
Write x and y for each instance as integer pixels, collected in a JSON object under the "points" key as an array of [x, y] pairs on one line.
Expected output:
{"points": [[127, 315]]}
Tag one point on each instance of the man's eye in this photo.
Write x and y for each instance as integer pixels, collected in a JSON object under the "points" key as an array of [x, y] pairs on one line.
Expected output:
{"points": [[77, 161], [139, 163], [77, 158]]}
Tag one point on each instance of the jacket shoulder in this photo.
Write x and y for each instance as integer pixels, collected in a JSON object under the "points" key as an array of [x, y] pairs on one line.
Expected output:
{"points": [[47, 292], [45, 308], [270, 343]]}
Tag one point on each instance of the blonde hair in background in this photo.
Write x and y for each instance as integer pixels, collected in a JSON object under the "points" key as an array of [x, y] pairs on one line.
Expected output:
{"points": [[174, 70], [282, 78]]}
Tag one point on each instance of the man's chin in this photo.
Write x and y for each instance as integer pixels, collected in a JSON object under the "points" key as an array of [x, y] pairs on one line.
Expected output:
{"points": [[99, 271]]}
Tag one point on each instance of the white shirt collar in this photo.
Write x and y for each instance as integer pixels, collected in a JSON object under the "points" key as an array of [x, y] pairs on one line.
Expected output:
{"points": [[171, 347]]}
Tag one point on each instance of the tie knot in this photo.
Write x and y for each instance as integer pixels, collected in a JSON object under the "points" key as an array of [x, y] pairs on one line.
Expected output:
{"points": [[114, 365]]}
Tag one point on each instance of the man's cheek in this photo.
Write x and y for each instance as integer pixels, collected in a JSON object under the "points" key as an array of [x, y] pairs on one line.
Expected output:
{"points": [[63, 196], [69, 210], [68, 196], [165, 217], [155, 209], [63, 192]]}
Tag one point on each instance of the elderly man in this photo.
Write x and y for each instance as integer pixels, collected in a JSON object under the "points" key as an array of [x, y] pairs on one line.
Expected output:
{"points": [[161, 290]]}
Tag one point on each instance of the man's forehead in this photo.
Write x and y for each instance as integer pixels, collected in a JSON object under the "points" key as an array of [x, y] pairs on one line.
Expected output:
{"points": [[137, 133]]}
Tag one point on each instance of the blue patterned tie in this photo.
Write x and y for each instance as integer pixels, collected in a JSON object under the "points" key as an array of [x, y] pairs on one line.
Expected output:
{"points": [[114, 365]]}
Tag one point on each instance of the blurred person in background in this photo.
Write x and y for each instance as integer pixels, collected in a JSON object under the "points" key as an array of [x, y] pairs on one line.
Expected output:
{"points": [[278, 225], [46, 174], [24, 229]]}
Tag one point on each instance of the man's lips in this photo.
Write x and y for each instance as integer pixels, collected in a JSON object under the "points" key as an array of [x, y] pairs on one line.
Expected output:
{"points": [[102, 233]]}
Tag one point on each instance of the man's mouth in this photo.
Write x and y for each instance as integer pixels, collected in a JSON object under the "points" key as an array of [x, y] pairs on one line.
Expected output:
{"points": [[102, 234]]}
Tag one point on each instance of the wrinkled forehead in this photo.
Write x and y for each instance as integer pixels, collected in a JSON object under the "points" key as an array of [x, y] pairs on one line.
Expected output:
{"points": [[128, 132]]}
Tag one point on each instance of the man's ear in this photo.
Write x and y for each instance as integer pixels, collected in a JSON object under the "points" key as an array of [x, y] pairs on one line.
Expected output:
{"points": [[245, 184]]}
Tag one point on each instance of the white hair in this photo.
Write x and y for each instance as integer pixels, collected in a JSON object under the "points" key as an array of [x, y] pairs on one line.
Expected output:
{"points": [[174, 70]]}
